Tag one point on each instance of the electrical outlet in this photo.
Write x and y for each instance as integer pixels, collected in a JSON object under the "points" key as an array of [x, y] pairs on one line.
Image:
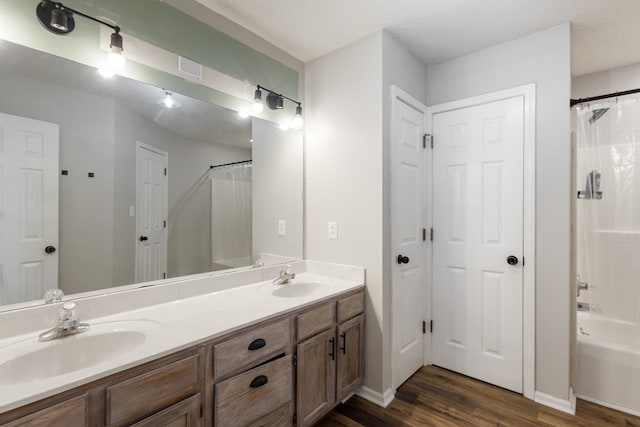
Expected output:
{"points": [[282, 228], [333, 230]]}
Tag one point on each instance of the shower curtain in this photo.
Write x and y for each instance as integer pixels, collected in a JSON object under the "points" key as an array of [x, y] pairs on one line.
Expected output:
{"points": [[231, 216], [608, 212]]}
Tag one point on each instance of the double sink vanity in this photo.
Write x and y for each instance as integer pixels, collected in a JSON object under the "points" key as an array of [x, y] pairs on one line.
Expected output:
{"points": [[233, 349]]}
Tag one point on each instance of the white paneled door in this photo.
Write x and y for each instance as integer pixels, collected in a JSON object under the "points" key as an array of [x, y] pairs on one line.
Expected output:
{"points": [[408, 235], [28, 208], [478, 241], [151, 214]]}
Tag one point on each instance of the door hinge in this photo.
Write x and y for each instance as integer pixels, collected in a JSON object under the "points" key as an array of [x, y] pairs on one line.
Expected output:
{"points": [[431, 326], [295, 360], [164, 223], [424, 327], [164, 275], [427, 138], [523, 261], [201, 410], [431, 235], [295, 419], [165, 171], [424, 234]]}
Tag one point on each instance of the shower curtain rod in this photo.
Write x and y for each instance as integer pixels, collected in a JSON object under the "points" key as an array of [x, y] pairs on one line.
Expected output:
{"points": [[230, 164], [573, 102]]}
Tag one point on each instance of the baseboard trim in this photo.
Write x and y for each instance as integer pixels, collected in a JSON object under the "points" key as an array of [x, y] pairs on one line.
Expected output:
{"points": [[564, 405], [609, 405], [381, 399]]}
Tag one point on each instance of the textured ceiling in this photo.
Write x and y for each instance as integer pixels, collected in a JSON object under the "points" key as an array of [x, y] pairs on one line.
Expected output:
{"points": [[605, 33]]}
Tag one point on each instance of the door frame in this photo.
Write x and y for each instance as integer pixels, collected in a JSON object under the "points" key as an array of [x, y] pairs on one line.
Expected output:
{"points": [[142, 145], [528, 92], [398, 95]]}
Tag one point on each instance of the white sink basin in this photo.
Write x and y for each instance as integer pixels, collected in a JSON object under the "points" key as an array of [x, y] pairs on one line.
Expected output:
{"points": [[300, 289], [34, 360]]}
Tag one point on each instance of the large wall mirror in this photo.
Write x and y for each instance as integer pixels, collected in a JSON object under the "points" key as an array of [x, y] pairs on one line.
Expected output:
{"points": [[102, 184]]}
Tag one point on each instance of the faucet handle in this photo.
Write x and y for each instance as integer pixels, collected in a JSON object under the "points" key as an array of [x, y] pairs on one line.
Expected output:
{"points": [[53, 295], [67, 312]]}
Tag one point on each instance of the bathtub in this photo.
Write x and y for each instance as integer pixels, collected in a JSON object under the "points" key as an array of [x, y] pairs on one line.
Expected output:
{"points": [[608, 357]]}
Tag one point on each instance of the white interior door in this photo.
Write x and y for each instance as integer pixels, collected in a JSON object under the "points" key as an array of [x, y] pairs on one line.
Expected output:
{"points": [[478, 224], [151, 213], [28, 208], [408, 236]]}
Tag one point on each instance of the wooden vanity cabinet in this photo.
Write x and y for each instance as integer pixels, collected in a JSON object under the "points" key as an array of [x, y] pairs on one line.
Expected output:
{"points": [[329, 365], [71, 413]]}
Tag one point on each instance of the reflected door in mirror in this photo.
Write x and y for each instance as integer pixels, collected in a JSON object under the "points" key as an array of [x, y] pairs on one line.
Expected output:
{"points": [[151, 211], [29, 186]]}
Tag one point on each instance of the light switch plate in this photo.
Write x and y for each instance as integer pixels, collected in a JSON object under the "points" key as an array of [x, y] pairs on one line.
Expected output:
{"points": [[282, 227], [333, 230]]}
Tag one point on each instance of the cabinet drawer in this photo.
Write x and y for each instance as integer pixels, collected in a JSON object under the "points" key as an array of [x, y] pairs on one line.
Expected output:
{"points": [[145, 394], [281, 417], [251, 347], [350, 306], [314, 321], [253, 394], [71, 413], [183, 414]]}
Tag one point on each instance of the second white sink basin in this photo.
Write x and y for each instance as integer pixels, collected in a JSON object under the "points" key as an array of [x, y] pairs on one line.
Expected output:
{"points": [[34, 360], [302, 289]]}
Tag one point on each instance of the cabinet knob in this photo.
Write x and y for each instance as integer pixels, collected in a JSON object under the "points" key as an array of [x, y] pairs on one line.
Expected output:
{"points": [[259, 381], [257, 343]]}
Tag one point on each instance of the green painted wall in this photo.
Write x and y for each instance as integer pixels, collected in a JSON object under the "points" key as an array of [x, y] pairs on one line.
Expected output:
{"points": [[158, 24]]}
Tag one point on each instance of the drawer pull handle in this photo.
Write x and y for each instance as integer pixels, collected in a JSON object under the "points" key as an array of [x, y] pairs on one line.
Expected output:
{"points": [[333, 349], [259, 381], [256, 344], [344, 343]]}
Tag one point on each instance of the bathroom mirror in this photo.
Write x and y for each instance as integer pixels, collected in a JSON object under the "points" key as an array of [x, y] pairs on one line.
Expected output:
{"points": [[109, 182]]}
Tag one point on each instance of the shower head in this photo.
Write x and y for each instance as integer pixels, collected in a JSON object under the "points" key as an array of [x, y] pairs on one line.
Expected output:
{"points": [[597, 113]]}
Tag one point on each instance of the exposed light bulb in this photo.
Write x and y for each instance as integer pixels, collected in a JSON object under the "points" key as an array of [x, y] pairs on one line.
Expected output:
{"points": [[115, 59], [257, 107], [284, 126], [243, 113], [168, 101], [298, 121], [106, 72]]}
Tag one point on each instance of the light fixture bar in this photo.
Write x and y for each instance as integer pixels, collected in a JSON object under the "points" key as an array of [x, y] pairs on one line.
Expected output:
{"points": [[60, 6], [279, 94]]}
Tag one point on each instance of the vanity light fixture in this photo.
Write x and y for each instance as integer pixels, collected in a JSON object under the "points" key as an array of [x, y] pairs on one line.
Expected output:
{"points": [[167, 101], [58, 18], [275, 101]]}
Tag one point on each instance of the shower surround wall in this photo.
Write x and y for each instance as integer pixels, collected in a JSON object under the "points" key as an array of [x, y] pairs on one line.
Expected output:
{"points": [[608, 246]]}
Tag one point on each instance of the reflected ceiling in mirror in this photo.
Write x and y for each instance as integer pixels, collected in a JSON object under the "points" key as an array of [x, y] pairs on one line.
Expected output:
{"points": [[103, 185]]}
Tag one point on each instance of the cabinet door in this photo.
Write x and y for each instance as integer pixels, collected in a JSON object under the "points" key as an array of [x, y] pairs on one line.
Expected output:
{"points": [[182, 414], [316, 369], [66, 414], [350, 361]]}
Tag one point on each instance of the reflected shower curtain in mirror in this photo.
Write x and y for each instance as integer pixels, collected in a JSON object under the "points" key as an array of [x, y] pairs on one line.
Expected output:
{"points": [[231, 216]]}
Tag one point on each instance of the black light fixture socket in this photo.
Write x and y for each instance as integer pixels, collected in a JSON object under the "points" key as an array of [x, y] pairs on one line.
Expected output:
{"points": [[55, 17], [257, 96], [116, 41], [299, 110]]}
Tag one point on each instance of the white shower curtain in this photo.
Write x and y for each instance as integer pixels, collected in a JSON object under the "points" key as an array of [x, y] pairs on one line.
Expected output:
{"points": [[231, 216], [608, 208]]}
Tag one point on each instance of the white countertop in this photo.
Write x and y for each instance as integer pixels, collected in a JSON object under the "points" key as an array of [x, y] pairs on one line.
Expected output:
{"points": [[170, 327]]}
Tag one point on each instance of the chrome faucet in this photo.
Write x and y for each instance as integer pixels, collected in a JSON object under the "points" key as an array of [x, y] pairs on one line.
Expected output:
{"points": [[583, 306], [285, 276], [68, 323]]}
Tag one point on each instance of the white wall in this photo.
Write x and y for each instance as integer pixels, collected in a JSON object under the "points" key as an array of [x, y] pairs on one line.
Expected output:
{"points": [[542, 58], [277, 159], [608, 81], [344, 176]]}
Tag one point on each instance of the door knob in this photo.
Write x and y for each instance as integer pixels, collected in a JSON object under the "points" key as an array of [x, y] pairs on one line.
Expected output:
{"points": [[512, 260], [403, 259], [143, 238], [50, 249]]}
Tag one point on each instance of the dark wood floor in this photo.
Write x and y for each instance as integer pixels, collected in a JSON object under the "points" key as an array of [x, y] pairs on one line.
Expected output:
{"points": [[437, 397]]}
